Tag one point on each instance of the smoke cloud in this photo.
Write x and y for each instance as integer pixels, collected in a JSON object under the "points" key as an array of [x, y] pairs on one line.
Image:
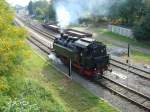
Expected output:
{"points": [[55, 60], [70, 11]]}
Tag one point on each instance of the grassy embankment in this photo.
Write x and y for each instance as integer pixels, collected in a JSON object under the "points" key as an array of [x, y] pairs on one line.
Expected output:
{"points": [[40, 88], [136, 56]]}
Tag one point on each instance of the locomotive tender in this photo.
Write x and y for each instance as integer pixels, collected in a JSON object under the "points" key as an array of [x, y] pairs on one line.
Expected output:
{"points": [[89, 57]]}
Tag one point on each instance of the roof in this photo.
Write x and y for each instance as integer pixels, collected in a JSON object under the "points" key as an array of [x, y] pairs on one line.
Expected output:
{"points": [[54, 26], [88, 39], [78, 33], [82, 44], [72, 37]]}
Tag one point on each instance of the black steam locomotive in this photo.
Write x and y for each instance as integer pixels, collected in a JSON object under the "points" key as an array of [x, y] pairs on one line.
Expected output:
{"points": [[88, 56]]}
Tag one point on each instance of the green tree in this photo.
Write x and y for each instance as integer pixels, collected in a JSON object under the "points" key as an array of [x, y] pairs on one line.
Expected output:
{"points": [[142, 27], [41, 5], [51, 12], [12, 43], [136, 14], [129, 11], [42, 9], [30, 8], [39, 13]]}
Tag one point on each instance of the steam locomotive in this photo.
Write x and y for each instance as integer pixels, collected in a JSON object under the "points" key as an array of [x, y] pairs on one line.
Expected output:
{"points": [[88, 56]]}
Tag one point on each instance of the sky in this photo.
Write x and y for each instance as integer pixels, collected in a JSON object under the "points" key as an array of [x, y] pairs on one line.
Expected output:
{"points": [[19, 2]]}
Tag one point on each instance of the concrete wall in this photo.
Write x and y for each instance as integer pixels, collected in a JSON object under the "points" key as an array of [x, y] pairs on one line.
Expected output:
{"points": [[121, 31]]}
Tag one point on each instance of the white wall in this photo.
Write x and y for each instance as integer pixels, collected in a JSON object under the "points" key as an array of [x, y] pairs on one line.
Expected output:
{"points": [[121, 31]]}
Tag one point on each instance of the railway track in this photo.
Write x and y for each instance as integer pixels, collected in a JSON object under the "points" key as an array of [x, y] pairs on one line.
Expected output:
{"points": [[132, 69], [39, 44], [42, 32], [123, 91]]}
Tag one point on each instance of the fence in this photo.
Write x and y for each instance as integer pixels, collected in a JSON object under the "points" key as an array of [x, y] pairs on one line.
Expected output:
{"points": [[121, 31]]}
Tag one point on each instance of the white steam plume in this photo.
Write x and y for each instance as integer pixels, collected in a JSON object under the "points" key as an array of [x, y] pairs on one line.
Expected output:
{"points": [[63, 16], [70, 11]]}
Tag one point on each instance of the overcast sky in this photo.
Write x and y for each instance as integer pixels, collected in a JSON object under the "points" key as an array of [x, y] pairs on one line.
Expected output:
{"points": [[19, 2]]}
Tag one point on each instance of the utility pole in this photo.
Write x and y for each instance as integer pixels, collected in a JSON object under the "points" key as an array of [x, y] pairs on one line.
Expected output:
{"points": [[70, 67], [128, 52], [128, 63], [128, 66]]}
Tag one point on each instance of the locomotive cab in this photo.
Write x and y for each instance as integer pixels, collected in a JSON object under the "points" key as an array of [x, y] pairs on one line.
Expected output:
{"points": [[93, 55]]}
